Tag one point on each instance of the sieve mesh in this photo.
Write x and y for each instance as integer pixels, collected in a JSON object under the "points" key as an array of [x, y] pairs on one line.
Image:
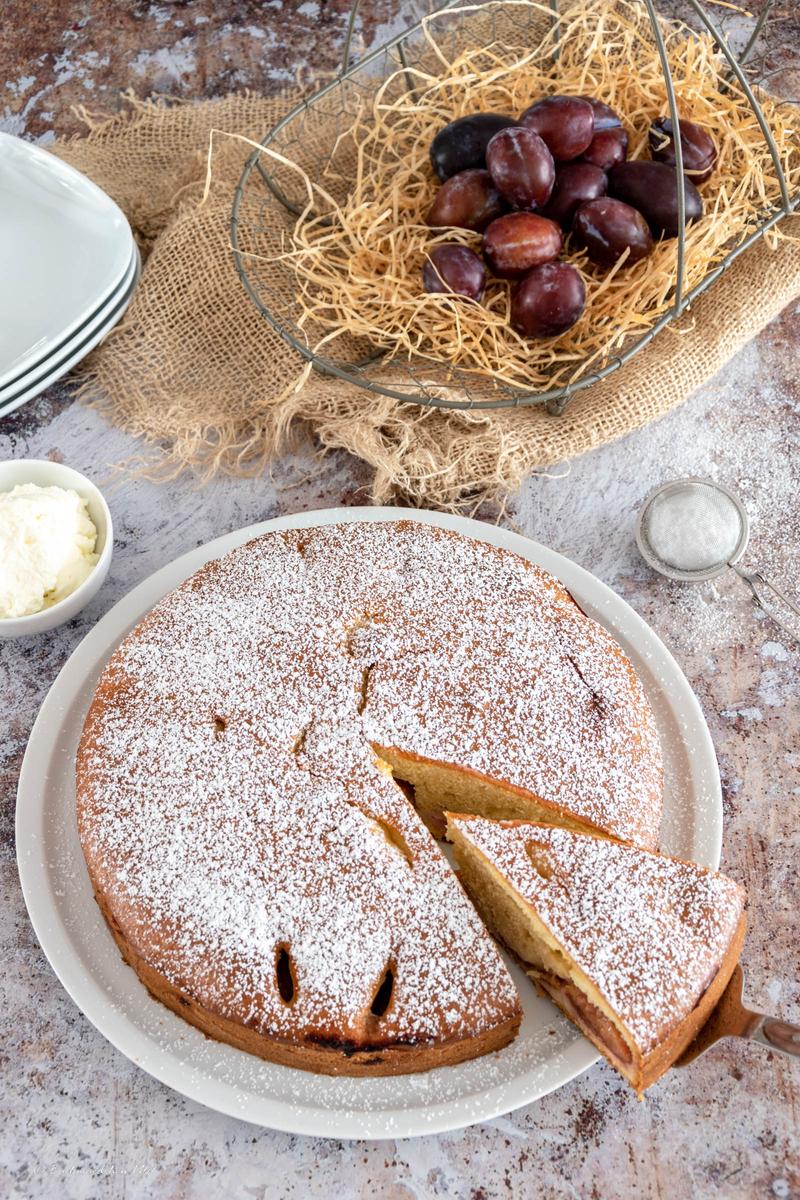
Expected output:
{"points": [[693, 527]]}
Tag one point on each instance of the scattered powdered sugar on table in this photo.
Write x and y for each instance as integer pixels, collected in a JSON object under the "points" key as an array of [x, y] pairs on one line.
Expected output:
{"points": [[756, 458]]}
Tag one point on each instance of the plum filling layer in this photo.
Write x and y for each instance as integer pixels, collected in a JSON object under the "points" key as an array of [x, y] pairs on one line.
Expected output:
{"points": [[588, 1016]]}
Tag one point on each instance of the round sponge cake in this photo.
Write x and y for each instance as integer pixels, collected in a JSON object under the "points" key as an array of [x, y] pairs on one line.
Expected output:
{"points": [[262, 749]]}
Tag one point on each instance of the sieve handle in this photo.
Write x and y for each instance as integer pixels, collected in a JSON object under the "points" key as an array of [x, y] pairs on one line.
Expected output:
{"points": [[759, 584]]}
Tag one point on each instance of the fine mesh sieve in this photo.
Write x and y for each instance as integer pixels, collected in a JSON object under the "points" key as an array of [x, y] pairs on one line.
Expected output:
{"points": [[693, 529]]}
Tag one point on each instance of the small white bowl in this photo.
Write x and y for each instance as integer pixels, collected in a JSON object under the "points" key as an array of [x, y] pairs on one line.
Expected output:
{"points": [[50, 474]]}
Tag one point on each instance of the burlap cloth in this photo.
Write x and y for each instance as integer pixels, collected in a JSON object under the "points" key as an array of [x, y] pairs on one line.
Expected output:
{"points": [[198, 373]]}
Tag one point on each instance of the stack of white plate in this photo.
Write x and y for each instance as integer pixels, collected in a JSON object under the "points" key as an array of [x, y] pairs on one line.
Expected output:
{"points": [[68, 266]]}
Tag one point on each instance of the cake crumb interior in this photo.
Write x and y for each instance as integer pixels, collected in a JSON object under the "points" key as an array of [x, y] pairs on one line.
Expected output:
{"points": [[516, 925]]}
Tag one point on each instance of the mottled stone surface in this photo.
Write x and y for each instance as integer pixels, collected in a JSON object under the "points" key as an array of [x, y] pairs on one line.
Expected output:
{"points": [[79, 1120]]}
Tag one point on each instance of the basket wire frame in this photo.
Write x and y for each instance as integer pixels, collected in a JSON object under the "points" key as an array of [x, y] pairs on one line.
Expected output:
{"points": [[556, 399]]}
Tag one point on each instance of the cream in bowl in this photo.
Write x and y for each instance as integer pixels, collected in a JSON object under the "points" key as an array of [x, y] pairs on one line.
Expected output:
{"points": [[55, 545], [47, 547]]}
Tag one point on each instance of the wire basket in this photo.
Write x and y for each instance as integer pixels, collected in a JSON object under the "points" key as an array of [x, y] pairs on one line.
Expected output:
{"points": [[314, 137]]}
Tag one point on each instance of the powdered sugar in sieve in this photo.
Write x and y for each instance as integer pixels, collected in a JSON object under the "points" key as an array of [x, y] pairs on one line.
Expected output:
{"points": [[693, 529]]}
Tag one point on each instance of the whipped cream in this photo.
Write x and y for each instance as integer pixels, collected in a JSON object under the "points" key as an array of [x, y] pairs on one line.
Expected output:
{"points": [[47, 542]]}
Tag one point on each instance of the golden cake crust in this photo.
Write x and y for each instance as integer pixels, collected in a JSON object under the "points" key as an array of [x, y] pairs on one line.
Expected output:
{"points": [[255, 860]]}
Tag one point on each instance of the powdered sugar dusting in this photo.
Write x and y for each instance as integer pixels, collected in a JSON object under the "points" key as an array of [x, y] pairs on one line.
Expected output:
{"points": [[231, 803], [494, 668], [649, 931]]}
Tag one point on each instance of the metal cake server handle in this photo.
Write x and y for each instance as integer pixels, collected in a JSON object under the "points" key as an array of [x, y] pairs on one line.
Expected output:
{"points": [[730, 1018]]}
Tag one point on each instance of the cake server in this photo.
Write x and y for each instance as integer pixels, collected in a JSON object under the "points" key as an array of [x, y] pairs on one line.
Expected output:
{"points": [[730, 1018]]}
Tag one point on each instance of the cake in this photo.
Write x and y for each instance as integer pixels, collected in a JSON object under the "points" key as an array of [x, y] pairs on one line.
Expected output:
{"points": [[261, 750], [634, 947]]}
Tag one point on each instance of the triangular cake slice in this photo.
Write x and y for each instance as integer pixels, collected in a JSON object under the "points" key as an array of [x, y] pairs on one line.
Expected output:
{"points": [[634, 947]]}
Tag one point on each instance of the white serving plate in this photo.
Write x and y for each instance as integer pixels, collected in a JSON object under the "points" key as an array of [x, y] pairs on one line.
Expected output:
{"points": [[76, 348], [548, 1052], [64, 248]]}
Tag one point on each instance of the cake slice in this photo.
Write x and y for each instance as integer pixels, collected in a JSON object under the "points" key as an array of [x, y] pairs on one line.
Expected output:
{"points": [[634, 947]]}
